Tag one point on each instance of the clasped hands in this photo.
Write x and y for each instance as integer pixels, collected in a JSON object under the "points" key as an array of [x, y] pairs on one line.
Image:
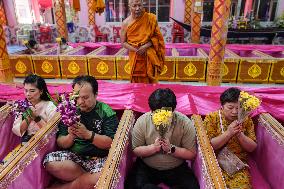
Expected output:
{"points": [[162, 144], [235, 128], [79, 130]]}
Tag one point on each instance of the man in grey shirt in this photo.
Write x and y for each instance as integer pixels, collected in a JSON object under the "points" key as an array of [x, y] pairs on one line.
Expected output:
{"points": [[163, 160]]}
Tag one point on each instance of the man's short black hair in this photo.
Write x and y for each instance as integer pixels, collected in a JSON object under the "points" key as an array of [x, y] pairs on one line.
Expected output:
{"points": [[162, 98], [63, 40], [86, 78], [39, 82], [32, 43], [230, 95]]}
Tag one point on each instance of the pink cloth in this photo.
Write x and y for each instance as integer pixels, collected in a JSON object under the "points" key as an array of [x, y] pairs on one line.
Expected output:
{"points": [[248, 7], [190, 99]]}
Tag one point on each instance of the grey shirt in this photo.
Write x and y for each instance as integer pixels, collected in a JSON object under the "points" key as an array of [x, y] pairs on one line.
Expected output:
{"points": [[181, 133]]}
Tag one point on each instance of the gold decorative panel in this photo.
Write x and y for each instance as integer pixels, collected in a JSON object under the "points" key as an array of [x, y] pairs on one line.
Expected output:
{"points": [[102, 67], [225, 70], [282, 71], [254, 71], [73, 67], [190, 69], [165, 69], [127, 68], [21, 67], [47, 67]]}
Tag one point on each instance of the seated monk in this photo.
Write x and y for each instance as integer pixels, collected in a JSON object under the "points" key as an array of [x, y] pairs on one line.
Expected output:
{"points": [[140, 34], [161, 156], [224, 129]]}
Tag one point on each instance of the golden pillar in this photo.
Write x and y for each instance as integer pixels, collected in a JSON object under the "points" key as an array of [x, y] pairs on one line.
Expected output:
{"points": [[196, 21], [91, 12], [3, 19], [187, 11], [60, 16], [218, 41], [5, 67]]}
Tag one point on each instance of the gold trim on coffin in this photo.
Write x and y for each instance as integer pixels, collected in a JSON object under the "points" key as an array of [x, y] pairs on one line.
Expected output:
{"points": [[225, 70], [28, 153], [21, 67], [165, 69], [73, 67], [102, 67], [273, 127], [127, 68], [282, 71], [254, 71], [210, 167], [190, 69], [46, 67], [110, 173]]}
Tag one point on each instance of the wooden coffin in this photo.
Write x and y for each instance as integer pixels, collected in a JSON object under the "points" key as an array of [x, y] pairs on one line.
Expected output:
{"points": [[190, 64], [75, 62], [102, 62], [254, 67], [46, 64], [124, 68]]}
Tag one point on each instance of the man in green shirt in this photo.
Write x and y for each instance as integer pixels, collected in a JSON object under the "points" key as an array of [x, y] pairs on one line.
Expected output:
{"points": [[86, 144]]}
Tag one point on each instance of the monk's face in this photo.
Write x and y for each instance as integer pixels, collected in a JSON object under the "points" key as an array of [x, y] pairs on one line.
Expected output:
{"points": [[136, 8]]}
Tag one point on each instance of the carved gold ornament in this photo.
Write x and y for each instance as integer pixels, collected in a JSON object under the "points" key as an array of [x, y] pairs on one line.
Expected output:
{"points": [[127, 68], [102, 67], [73, 67], [190, 69], [21, 67], [165, 69], [254, 71], [282, 71], [225, 70], [46, 67]]}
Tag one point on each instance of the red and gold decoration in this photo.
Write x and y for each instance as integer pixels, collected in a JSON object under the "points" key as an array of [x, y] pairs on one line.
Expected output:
{"points": [[196, 21], [187, 11], [5, 67], [91, 13], [3, 19], [218, 41], [60, 15]]}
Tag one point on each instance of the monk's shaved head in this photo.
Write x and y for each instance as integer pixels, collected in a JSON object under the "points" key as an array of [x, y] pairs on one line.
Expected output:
{"points": [[131, 1]]}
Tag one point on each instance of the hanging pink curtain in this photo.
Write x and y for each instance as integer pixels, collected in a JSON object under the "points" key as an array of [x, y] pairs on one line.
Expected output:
{"points": [[248, 7], [35, 8], [45, 3]]}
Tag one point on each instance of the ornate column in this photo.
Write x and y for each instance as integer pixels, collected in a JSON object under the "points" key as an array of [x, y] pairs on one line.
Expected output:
{"points": [[60, 17], [218, 41], [3, 19], [5, 67], [187, 11], [91, 12], [196, 21]]}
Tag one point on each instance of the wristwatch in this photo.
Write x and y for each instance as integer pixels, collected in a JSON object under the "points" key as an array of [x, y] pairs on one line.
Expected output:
{"points": [[172, 149], [92, 137]]}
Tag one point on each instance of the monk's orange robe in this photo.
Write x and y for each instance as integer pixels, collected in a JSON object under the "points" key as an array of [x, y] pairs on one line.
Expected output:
{"points": [[146, 68]]}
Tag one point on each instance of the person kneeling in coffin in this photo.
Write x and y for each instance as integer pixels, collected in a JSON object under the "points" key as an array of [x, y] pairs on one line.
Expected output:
{"points": [[86, 144], [162, 140]]}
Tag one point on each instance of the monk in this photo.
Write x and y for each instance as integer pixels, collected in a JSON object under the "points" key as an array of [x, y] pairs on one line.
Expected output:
{"points": [[140, 34]]}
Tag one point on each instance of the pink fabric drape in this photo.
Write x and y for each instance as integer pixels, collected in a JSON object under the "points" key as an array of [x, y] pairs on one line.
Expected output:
{"points": [[45, 3], [248, 7], [35, 7]]}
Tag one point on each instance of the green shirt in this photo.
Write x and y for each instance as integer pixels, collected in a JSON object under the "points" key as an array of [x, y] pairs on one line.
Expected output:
{"points": [[102, 120]]}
